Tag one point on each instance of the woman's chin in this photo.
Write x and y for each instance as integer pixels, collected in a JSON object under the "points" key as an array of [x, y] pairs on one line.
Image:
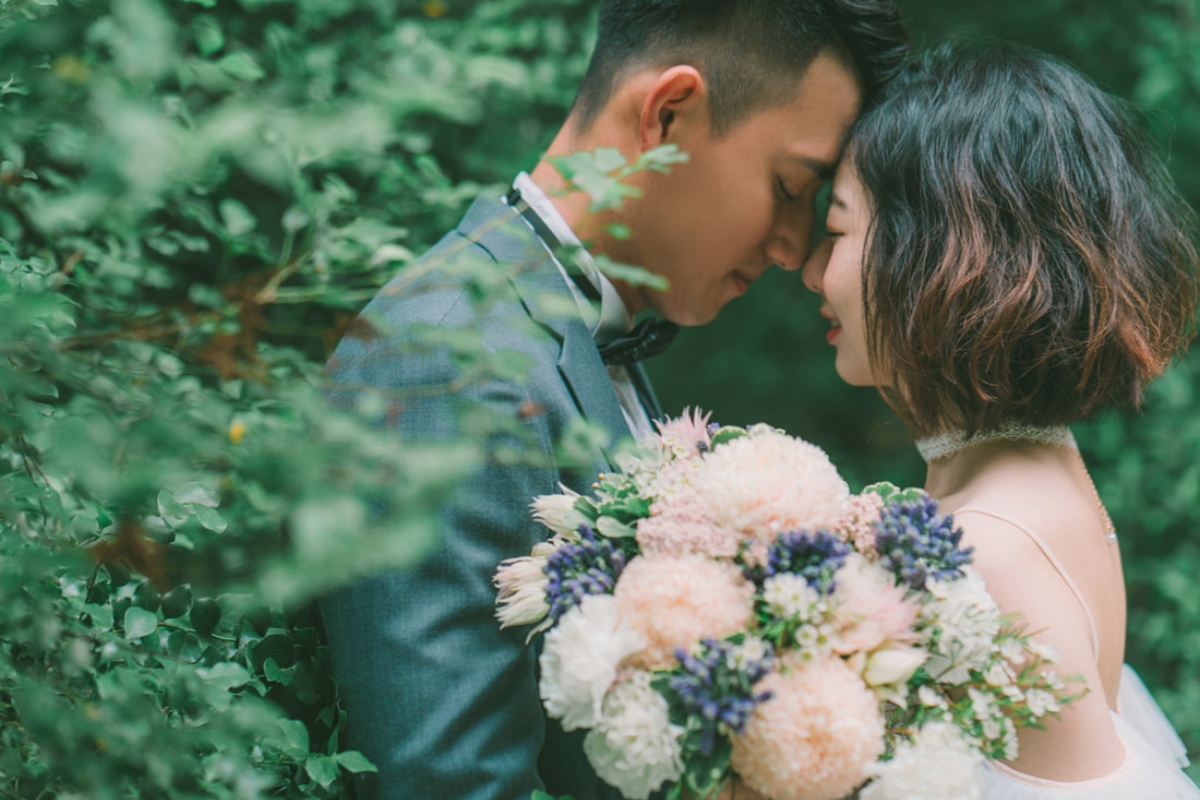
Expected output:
{"points": [[854, 375]]}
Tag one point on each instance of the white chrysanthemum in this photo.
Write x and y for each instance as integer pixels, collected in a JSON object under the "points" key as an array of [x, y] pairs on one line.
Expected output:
{"points": [[557, 512], [771, 483], [579, 660], [635, 747], [969, 620], [939, 764]]}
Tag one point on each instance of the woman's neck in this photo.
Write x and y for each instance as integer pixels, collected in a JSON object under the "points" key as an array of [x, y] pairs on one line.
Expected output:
{"points": [[960, 465]]}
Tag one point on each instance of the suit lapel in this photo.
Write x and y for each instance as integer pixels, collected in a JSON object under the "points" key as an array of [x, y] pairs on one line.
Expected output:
{"points": [[548, 300], [584, 372], [641, 382]]}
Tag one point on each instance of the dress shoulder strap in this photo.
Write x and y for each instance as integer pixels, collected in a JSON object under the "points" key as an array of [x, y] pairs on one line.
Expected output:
{"points": [[1054, 562]]}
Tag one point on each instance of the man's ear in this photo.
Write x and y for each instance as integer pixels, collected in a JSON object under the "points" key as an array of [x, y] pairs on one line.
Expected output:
{"points": [[677, 99]]}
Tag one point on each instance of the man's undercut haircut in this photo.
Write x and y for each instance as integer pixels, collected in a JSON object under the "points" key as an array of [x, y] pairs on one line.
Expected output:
{"points": [[1029, 258], [752, 53]]}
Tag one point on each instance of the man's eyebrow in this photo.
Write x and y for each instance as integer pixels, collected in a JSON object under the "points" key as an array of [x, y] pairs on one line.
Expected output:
{"points": [[823, 169]]}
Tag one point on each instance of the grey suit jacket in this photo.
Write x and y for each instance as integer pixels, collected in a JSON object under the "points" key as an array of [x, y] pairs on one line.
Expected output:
{"points": [[437, 696]]}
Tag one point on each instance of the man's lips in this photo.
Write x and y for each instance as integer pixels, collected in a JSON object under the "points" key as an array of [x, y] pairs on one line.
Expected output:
{"points": [[741, 282]]}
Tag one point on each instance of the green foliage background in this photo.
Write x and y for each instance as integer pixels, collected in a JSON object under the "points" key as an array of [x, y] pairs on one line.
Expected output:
{"points": [[196, 196]]}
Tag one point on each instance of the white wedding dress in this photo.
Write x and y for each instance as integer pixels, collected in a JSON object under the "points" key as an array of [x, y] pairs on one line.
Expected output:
{"points": [[1152, 769], [1154, 754]]}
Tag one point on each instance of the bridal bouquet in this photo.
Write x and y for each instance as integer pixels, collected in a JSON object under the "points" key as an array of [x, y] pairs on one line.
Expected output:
{"points": [[723, 607]]}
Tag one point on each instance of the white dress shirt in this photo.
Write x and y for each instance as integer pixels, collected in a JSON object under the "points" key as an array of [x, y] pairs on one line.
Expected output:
{"points": [[613, 319]]}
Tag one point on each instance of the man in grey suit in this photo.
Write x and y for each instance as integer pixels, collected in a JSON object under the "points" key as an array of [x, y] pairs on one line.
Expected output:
{"points": [[759, 94]]}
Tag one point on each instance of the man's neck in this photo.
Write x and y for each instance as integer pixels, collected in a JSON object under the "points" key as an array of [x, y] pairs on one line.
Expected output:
{"points": [[572, 204]]}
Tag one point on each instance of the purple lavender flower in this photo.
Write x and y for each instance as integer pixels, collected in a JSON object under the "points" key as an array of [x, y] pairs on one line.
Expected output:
{"points": [[813, 556], [590, 566], [916, 543], [715, 685]]}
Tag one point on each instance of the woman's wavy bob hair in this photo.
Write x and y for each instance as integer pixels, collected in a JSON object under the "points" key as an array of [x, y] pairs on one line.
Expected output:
{"points": [[1029, 259]]}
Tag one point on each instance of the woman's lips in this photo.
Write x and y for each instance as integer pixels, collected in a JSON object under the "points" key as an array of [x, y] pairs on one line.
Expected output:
{"points": [[832, 333]]}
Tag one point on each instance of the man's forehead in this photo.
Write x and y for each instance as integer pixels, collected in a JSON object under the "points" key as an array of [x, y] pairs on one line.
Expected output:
{"points": [[821, 167]]}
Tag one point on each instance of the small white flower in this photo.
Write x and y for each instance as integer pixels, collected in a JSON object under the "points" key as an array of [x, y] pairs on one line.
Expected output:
{"points": [[1012, 651], [1013, 692], [991, 728], [939, 764], [752, 650], [635, 747], [931, 697], [969, 620], [579, 660], [982, 704], [1053, 680], [1046, 652], [788, 595], [1040, 702], [998, 674], [1011, 749]]}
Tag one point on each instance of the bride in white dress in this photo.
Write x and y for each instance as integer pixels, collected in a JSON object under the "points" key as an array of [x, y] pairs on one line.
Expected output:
{"points": [[1005, 256]]}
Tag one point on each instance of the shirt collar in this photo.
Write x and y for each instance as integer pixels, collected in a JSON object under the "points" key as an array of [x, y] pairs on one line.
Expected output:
{"points": [[613, 319]]}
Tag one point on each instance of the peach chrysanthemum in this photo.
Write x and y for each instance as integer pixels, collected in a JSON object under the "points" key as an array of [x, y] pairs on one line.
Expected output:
{"points": [[872, 611], [857, 525], [770, 483], [675, 602], [815, 739], [679, 525]]}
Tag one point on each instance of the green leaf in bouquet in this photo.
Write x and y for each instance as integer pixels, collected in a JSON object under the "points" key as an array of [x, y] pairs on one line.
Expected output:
{"points": [[727, 434], [610, 527], [586, 507], [707, 775], [890, 492]]}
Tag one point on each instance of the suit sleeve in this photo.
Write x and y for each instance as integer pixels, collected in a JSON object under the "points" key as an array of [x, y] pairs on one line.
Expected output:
{"points": [[438, 697]]}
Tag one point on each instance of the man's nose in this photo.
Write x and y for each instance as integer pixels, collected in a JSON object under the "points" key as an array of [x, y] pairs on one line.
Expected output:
{"points": [[790, 239], [813, 273]]}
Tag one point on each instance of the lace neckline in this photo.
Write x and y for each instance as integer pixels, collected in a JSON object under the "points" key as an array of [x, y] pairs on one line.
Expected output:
{"points": [[951, 443]]}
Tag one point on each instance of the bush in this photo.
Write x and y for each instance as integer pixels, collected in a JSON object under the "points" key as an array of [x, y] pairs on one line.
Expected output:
{"points": [[196, 198]]}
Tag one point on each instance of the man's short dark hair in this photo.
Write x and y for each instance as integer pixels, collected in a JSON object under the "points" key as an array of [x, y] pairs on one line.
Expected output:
{"points": [[752, 53], [1029, 259]]}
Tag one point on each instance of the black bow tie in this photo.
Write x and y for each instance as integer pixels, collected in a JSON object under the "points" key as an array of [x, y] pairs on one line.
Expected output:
{"points": [[649, 338]]}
